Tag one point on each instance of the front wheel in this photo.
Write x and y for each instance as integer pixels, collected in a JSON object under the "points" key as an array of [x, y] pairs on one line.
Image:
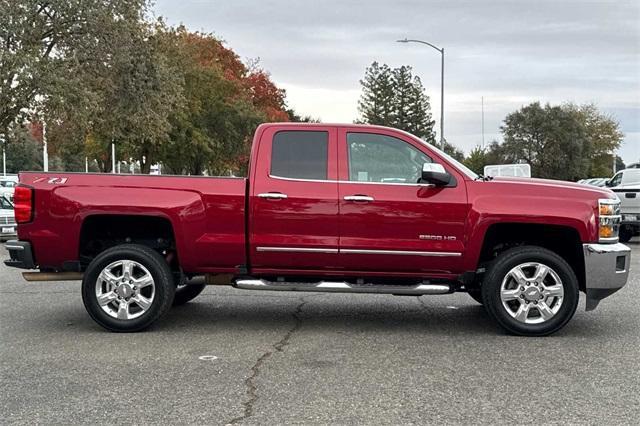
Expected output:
{"points": [[530, 291], [128, 287], [475, 294], [626, 233]]}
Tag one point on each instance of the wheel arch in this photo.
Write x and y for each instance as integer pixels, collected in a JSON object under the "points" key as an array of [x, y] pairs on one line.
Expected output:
{"points": [[563, 240], [99, 232]]}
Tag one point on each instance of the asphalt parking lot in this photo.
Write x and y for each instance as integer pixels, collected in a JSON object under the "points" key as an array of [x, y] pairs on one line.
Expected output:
{"points": [[234, 356]]}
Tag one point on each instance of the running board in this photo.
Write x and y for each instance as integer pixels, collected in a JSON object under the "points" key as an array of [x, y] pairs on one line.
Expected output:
{"points": [[343, 287]]}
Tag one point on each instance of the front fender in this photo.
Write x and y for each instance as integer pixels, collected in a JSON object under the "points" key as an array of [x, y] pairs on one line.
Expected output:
{"points": [[577, 214]]}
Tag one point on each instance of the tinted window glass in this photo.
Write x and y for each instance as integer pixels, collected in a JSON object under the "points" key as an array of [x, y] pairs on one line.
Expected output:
{"points": [[384, 159], [615, 181], [300, 155]]}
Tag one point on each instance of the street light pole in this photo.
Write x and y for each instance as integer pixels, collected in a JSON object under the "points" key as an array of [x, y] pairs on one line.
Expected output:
{"points": [[441, 50], [45, 151], [113, 157], [4, 157]]}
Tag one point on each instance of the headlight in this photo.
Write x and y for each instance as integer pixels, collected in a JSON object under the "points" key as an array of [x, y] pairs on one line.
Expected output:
{"points": [[609, 217]]}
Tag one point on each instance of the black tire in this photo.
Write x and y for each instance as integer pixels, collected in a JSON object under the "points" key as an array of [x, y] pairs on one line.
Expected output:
{"points": [[626, 233], [157, 268], [508, 260], [187, 292], [476, 294]]}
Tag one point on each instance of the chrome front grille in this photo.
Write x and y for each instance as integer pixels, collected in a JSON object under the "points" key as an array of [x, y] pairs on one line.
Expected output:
{"points": [[7, 220]]}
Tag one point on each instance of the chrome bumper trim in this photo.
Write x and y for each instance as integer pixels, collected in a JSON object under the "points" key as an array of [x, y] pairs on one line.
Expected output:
{"points": [[296, 250], [606, 270], [403, 252], [358, 251]]}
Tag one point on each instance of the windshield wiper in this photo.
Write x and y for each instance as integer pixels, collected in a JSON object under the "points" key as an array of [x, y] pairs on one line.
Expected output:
{"points": [[484, 178]]}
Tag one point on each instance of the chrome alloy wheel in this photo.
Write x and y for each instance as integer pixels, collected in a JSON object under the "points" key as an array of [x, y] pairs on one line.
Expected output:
{"points": [[125, 289], [532, 293]]}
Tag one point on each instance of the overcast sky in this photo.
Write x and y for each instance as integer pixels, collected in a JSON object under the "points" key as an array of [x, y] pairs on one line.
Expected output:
{"points": [[510, 52]]}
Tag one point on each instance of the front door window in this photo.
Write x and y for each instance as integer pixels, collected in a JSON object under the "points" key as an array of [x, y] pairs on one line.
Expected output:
{"points": [[383, 159]]}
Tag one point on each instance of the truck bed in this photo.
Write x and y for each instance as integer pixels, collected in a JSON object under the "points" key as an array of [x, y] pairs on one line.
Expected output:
{"points": [[207, 214]]}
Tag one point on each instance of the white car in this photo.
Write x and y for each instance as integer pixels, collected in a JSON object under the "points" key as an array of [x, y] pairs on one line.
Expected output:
{"points": [[7, 219]]}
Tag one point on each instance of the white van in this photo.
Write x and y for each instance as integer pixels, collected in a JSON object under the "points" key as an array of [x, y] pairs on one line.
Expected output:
{"points": [[624, 177], [515, 170]]}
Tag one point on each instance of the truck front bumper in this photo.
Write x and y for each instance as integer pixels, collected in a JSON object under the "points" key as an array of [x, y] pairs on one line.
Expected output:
{"points": [[606, 270], [20, 254]]}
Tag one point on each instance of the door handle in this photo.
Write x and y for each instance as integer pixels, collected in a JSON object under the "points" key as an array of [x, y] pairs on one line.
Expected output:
{"points": [[364, 198], [273, 195]]}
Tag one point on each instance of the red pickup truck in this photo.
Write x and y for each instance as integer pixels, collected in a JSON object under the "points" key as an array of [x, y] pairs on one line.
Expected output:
{"points": [[325, 208]]}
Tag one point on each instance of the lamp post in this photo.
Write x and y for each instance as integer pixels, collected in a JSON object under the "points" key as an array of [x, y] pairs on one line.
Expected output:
{"points": [[4, 157], [113, 157], [45, 150], [441, 50]]}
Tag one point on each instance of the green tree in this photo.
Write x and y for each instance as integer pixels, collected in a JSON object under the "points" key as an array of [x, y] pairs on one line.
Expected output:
{"points": [[560, 142], [42, 43], [211, 130], [395, 98], [403, 93], [476, 160], [297, 118], [420, 122], [22, 150], [602, 138], [148, 88], [139, 87], [376, 104], [66, 145], [453, 151], [548, 138]]}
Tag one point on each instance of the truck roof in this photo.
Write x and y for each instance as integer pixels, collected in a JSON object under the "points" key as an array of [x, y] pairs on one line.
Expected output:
{"points": [[304, 124]]}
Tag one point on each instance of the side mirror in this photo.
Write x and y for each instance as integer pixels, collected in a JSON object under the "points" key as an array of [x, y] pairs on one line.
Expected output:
{"points": [[607, 183], [436, 174]]}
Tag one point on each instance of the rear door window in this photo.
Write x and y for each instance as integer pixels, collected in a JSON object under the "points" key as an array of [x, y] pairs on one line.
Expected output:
{"points": [[300, 155]]}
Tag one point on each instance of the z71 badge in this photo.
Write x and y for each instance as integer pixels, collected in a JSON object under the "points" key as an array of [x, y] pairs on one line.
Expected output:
{"points": [[53, 180]]}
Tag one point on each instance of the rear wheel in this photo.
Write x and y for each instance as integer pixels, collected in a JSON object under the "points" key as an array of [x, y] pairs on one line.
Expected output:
{"points": [[127, 288], [530, 291]]}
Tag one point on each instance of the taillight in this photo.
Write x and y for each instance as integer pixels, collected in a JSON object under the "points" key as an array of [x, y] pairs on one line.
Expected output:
{"points": [[23, 204]]}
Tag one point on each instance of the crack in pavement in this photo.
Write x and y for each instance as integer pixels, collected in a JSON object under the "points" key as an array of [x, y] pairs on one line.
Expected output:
{"points": [[250, 382]]}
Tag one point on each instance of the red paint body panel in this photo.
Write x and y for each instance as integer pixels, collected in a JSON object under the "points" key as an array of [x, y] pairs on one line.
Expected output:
{"points": [[306, 219], [207, 214], [397, 218], [212, 225]]}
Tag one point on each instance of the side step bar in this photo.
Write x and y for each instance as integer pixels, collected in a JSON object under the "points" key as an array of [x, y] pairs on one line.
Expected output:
{"points": [[52, 276], [343, 287]]}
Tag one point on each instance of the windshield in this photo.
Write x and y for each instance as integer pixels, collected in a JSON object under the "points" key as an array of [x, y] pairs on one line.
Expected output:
{"points": [[464, 169], [5, 203]]}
